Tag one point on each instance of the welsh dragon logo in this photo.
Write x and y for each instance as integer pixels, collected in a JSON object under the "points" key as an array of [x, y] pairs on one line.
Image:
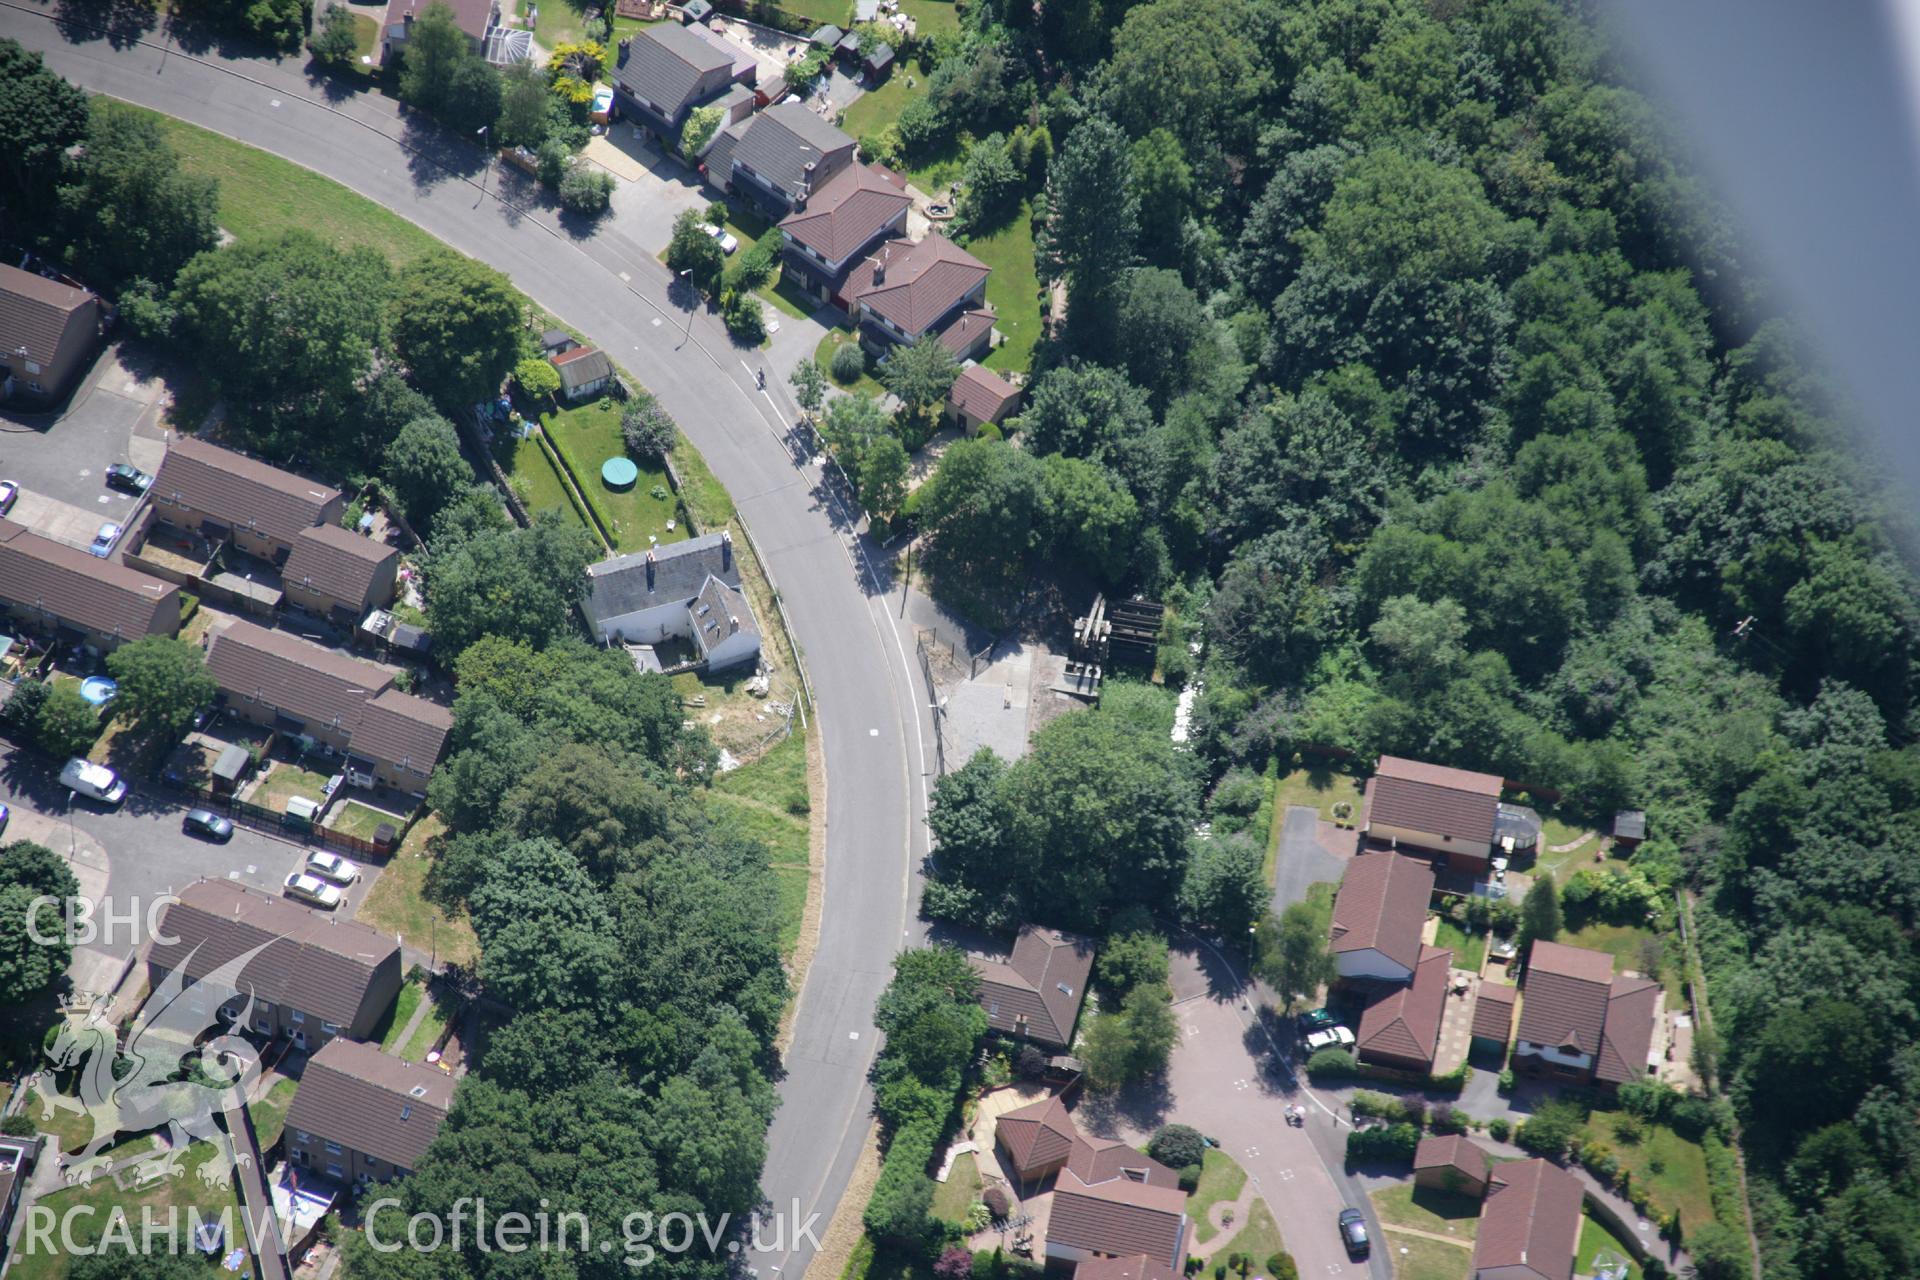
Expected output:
{"points": [[168, 1075]]}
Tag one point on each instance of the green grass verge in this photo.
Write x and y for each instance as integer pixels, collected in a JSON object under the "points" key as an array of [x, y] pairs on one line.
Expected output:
{"points": [[262, 195], [397, 903], [1221, 1179], [703, 496], [440, 1010], [587, 436], [1259, 1238], [761, 813], [269, 1114], [1013, 289], [777, 779], [1469, 949], [952, 1198]]}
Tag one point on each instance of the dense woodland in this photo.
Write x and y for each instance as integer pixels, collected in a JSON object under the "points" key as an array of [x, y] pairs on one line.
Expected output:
{"points": [[1433, 392]]}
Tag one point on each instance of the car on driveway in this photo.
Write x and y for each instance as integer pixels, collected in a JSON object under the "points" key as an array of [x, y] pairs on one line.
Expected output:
{"points": [[312, 889], [128, 478], [103, 540], [331, 866], [1330, 1038], [1353, 1233], [9, 494], [728, 243], [207, 823], [1316, 1020]]}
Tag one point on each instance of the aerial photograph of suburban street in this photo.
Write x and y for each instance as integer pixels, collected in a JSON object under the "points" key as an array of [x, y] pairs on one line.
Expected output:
{"points": [[959, 640]]}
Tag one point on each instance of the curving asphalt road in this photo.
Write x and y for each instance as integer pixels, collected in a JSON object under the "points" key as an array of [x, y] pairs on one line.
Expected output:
{"points": [[869, 704]]}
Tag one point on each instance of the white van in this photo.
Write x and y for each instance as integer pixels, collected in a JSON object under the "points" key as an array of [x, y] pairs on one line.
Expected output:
{"points": [[94, 781]]}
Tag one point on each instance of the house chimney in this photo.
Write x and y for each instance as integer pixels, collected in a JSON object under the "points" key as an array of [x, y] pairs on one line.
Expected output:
{"points": [[726, 551], [649, 571]]}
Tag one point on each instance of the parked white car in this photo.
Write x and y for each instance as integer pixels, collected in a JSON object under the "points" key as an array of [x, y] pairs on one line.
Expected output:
{"points": [[312, 889], [94, 781], [728, 242], [1330, 1038], [331, 866]]}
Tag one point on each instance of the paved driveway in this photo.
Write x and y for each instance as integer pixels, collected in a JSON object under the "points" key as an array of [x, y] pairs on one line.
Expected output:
{"points": [[137, 854], [60, 463], [1303, 860], [1221, 1082]]}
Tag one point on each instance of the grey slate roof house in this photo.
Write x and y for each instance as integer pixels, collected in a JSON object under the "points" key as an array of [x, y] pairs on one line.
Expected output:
{"points": [[667, 71], [48, 330], [686, 590], [312, 978], [1036, 992], [779, 158], [365, 1116]]}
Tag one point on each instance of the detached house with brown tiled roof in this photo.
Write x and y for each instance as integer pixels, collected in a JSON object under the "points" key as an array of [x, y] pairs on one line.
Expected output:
{"points": [[222, 495], [279, 681], [1035, 993], [1530, 1223], [1452, 1163], [1400, 1026], [48, 332], [1430, 806], [904, 290], [50, 586], [1126, 1214], [1377, 916], [1036, 1139], [834, 226], [1580, 1022], [311, 976], [338, 574], [365, 1116], [979, 396]]}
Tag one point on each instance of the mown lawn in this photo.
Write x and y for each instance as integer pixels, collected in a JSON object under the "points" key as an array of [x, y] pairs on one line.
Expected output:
{"points": [[586, 437], [108, 1203], [1469, 949], [1673, 1170], [1221, 1180], [1594, 1237], [355, 819], [1630, 947], [269, 1114], [538, 481], [1013, 289], [388, 1029], [1417, 1258], [1321, 788], [952, 1198], [1425, 1209], [440, 1010], [933, 17], [285, 782], [262, 195], [397, 902], [865, 385]]}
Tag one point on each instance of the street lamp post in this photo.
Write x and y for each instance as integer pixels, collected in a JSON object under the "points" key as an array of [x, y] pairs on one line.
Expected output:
{"points": [[687, 276], [486, 159]]}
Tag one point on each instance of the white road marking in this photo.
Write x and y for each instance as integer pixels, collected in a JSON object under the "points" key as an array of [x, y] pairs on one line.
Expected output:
{"points": [[626, 277]]}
